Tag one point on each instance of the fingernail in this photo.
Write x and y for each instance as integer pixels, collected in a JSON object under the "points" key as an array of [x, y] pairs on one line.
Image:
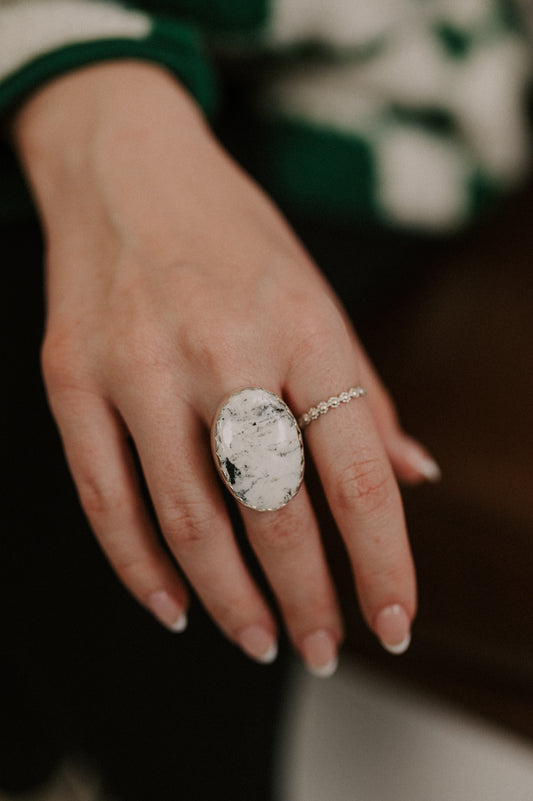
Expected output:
{"points": [[259, 644], [167, 611], [319, 651], [420, 460], [393, 628]]}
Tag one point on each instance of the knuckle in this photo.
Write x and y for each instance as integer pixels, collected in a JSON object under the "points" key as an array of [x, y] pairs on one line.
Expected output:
{"points": [[60, 360], [186, 525], [311, 321], [100, 500], [365, 485], [318, 332], [211, 351], [281, 533]]}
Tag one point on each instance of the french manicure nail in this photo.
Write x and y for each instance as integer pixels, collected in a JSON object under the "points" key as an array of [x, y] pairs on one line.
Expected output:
{"points": [[420, 460], [167, 611], [393, 628], [319, 651], [259, 644]]}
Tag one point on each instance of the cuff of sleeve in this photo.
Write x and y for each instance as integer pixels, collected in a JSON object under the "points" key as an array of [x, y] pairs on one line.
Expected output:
{"points": [[176, 46]]}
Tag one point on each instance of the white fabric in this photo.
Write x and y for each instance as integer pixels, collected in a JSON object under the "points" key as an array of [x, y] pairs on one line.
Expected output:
{"points": [[422, 179], [33, 27], [464, 14], [338, 23], [488, 99]]}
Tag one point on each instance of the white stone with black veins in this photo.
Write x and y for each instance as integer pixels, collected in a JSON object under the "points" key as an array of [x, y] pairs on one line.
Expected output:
{"points": [[258, 447]]}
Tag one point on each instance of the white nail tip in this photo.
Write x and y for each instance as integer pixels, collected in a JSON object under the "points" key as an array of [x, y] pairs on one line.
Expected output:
{"points": [[429, 469], [324, 671], [418, 458], [180, 624], [269, 656], [399, 648]]}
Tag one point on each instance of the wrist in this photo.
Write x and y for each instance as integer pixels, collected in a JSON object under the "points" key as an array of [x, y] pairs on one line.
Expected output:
{"points": [[66, 130]]}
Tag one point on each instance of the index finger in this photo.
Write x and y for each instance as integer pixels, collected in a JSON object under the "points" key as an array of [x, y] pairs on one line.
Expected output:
{"points": [[365, 501]]}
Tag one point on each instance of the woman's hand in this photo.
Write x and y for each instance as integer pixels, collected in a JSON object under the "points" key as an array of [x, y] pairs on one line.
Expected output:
{"points": [[172, 281]]}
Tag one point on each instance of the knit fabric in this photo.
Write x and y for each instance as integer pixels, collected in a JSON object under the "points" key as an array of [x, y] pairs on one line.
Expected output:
{"points": [[409, 113]]}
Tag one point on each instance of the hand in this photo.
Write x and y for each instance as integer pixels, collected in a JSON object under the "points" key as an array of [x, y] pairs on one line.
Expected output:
{"points": [[171, 281]]}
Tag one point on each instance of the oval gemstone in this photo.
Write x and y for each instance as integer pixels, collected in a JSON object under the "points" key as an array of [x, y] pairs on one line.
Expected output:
{"points": [[258, 449]]}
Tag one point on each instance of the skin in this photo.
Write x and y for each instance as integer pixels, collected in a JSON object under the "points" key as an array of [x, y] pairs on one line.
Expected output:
{"points": [[171, 281]]}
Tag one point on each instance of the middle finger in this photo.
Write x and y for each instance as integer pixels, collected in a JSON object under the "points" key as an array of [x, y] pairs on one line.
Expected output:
{"points": [[288, 545]]}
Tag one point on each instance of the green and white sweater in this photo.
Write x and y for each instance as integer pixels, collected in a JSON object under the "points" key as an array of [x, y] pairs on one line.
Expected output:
{"points": [[404, 112]]}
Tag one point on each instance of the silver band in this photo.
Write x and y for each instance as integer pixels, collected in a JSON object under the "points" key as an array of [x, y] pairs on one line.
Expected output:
{"points": [[324, 406]]}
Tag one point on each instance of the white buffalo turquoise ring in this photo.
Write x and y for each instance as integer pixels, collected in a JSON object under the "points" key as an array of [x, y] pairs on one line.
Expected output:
{"points": [[258, 449]]}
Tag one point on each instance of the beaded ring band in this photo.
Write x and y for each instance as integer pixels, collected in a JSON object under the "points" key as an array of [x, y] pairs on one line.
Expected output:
{"points": [[332, 403]]}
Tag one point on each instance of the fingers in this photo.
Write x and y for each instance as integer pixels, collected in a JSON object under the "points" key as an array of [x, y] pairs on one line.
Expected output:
{"points": [[348, 447], [288, 545], [191, 513], [365, 501], [103, 470], [174, 452], [173, 448], [410, 461]]}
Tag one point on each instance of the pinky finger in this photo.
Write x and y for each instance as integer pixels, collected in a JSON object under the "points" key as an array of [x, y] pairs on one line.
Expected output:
{"points": [[103, 469], [410, 460]]}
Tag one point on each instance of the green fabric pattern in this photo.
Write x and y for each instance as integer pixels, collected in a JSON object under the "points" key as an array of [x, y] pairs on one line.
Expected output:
{"points": [[213, 15], [177, 46], [417, 120], [317, 173]]}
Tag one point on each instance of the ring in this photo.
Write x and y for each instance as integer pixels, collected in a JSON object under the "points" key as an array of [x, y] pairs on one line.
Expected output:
{"points": [[258, 449], [324, 406]]}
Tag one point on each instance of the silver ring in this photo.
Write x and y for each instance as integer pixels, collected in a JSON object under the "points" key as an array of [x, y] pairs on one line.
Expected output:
{"points": [[258, 449], [332, 403]]}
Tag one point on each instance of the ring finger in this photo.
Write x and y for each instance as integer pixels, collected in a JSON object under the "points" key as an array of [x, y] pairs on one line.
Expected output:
{"points": [[365, 501]]}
